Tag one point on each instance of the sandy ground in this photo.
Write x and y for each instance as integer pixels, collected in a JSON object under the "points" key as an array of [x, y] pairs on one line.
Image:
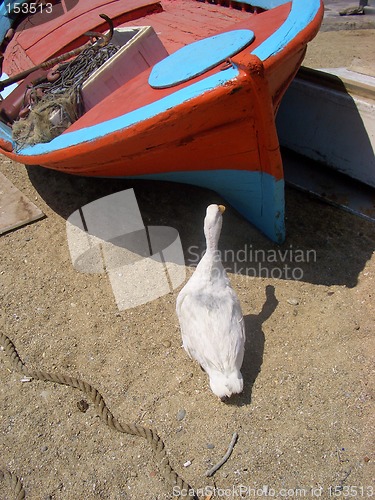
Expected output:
{"points": [[305, 418]]}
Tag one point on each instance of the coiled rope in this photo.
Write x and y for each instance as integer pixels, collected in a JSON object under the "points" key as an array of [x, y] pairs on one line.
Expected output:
{"points": [[104, 413], [62, 95]]}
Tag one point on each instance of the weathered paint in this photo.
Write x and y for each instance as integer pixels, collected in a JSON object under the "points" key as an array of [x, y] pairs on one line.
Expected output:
{"points": [[123, 122], [201, 130], [301, 15]]}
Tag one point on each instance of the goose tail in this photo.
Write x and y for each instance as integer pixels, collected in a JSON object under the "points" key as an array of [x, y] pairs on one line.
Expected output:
{"points": [[226, 384]]}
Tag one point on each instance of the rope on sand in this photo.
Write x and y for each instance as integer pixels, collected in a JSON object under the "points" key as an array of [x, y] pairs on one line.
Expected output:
{"points": [[104, 413]]}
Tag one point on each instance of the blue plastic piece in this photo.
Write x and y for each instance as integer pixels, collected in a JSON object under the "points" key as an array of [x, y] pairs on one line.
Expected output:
{"points": [[198, 57]]}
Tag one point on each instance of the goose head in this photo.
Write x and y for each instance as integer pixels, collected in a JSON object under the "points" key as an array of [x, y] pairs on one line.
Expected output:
{"points": [[212, 226]]}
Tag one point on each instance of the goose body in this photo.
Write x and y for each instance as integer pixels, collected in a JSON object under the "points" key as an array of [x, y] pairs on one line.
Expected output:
{"points": [[210, 316]]}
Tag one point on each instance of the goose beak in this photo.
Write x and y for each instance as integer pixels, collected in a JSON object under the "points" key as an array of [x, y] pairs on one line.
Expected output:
{"points": [[221, 208]]}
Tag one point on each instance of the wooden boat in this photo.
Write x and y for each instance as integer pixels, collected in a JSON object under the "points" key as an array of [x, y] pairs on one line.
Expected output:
{"points": [[200, 110]]}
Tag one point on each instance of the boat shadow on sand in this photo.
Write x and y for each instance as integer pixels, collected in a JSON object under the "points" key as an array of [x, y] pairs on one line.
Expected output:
{"points": [[324, 245]]}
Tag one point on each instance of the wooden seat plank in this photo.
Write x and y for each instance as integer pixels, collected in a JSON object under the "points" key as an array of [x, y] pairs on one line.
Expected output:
{"points": [[51, 38]]}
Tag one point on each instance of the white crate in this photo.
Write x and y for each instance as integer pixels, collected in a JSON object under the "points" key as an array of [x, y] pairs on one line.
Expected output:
{"points": [[140, 49]]}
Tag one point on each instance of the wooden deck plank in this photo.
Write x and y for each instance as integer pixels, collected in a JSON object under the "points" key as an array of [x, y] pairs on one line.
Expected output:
{"points": [[185, 23], [174, 38], [194, 21], [16, 209], [42, 46], [86, 9]]}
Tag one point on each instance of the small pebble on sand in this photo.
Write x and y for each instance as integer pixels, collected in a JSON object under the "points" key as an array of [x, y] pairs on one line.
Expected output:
{"points": [[181, 414]]}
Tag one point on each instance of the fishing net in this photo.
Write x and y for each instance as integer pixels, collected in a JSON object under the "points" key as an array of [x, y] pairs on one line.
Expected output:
{"points": [[52, 106]]}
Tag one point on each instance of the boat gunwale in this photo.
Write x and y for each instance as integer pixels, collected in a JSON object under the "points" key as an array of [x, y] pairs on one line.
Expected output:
{"points": [[123, 122], [272, 46]]}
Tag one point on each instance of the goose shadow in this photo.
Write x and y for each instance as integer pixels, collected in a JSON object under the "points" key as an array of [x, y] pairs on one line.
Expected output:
{"points": [[254, 346]]}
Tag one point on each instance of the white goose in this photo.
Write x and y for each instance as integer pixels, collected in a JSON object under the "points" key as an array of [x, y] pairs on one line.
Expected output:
{"points": [[210, 315]]}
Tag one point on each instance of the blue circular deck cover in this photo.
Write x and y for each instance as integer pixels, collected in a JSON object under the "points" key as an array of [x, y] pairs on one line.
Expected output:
{"points": [[198, 57]]}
